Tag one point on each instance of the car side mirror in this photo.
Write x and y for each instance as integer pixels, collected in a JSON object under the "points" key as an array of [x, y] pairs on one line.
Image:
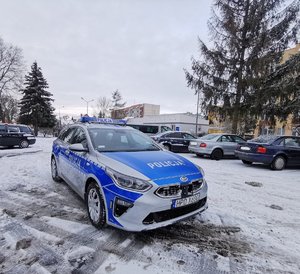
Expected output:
{"points": [[78, 147]]}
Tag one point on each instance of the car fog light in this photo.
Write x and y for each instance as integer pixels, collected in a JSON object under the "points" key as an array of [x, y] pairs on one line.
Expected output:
{"points": [[121, 207]]}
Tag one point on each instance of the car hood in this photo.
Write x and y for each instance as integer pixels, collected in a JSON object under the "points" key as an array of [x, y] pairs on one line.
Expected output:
{"points": [[158, 165]]}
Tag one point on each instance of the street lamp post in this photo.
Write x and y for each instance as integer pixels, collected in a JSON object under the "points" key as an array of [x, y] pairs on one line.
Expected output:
{"points": [[87, 104], [197, 113], [59, 114]]}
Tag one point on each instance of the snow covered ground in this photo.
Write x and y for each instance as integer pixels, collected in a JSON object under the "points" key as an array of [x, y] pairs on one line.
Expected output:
{"points": [[251, 226]]}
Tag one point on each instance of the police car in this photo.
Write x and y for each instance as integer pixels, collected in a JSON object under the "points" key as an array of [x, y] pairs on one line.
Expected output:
{"points": [[125, 178]]}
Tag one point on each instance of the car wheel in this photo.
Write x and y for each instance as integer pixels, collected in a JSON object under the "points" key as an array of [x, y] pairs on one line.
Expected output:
{"points": [[247, 162], [95, 206], [54, 171], [217, 154], [278, 163], [24, 144], [167, 147]]}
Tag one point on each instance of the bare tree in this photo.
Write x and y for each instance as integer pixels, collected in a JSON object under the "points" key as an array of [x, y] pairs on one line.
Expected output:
{"points": [[10, 109], [11, 70], [102, 108]]}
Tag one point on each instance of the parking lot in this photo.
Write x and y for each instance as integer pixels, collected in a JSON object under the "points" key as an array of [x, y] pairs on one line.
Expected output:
{"points": [[252, 224]]}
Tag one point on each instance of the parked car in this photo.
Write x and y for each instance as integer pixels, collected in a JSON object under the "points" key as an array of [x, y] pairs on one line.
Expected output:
{"points": [[16, 135], [126, 179], [275, 151], [176, 141], [216, 145]]}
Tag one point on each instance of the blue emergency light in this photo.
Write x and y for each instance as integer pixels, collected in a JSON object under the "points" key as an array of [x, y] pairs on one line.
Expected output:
{"points": [[87, 119]]}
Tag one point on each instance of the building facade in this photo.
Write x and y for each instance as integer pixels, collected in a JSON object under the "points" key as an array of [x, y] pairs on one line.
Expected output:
{"points": [[136, 111]]}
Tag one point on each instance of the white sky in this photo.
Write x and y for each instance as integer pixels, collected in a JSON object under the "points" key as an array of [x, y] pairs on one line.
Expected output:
{"points": [[90, 48]]}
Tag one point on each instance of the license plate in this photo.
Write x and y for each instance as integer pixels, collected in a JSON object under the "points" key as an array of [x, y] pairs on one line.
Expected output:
{"points": [[193, 143], [245, 148], [186, 201]]}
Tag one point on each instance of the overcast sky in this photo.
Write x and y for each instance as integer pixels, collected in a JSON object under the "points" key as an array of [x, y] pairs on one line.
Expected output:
{"points": [[90, 48]]}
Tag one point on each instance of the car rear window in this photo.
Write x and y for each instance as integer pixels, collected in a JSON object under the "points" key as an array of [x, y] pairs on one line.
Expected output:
{"points": [[2, 128], [264, 139], [209, 137]]}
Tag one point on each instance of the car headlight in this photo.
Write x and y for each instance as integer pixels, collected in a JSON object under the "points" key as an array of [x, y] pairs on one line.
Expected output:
{"points": [[128, 182], [201, 170]]}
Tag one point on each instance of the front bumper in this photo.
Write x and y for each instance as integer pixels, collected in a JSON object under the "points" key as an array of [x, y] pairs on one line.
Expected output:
{"points": [[150, 211]]}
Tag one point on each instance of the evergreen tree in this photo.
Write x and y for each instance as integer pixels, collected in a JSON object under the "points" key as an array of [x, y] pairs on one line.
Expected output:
{"points": [[35, 106], [283, 90], [116, 100], [249, 37]]}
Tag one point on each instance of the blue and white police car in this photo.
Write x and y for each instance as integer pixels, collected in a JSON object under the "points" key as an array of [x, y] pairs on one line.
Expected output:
{"points": [[125, 178]]}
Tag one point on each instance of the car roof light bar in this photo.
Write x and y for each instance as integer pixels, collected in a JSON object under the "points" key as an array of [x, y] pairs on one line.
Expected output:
{"points": [[95, 120]]}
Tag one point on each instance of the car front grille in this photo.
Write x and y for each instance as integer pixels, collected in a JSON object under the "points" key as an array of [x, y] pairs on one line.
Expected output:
{"points": [[161, 216], [179, 190]]}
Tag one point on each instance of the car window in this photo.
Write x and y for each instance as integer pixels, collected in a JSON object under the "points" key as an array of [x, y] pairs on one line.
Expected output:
{"points": [[292, 142], [113, 140], [67, 137], [2, 128], [78, 136], [174, 135], [13, 129], [188, 136], [225, 138], [209, 137], [24, 129], [165, 128], [237, 139]]}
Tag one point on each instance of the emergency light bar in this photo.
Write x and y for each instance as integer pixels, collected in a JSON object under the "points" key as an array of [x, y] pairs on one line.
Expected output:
{"points": [[86, 119]]}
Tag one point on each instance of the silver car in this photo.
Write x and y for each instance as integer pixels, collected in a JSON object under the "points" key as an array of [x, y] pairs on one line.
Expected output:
{"points": [[216, 145]]}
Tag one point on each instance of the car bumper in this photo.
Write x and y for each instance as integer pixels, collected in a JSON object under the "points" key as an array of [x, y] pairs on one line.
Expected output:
{"points": [[150, 211], [31, 141], [253, 157], [200, 150]]}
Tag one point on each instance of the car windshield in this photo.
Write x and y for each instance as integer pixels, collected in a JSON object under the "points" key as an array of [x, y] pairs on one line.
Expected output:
{"points": [[118, 139], [209, 137], [264, 139]]}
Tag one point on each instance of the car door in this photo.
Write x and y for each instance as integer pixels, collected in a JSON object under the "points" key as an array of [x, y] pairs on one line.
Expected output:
{"points": [[63, 161], [176, 141], [292, 148], [228, 144], [77, 161], [13, 136]]}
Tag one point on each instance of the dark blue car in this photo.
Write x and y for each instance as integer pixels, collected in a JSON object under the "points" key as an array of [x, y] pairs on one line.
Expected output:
{"points": [[275, 151]]}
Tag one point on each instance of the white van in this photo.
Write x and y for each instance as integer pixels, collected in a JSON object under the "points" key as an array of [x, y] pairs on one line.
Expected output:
{"points": [[150, 129]]}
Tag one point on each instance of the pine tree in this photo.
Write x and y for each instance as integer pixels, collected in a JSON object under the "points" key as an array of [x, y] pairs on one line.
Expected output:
{"points": [[283, 90], [36, 104], [249, 37], [116, 100]]}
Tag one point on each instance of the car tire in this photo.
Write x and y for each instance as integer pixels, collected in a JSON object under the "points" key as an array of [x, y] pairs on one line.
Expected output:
{"points": [[24, 144], [54, 171], [95, 205], [217, 154], [246, 162], [278, 163]]}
